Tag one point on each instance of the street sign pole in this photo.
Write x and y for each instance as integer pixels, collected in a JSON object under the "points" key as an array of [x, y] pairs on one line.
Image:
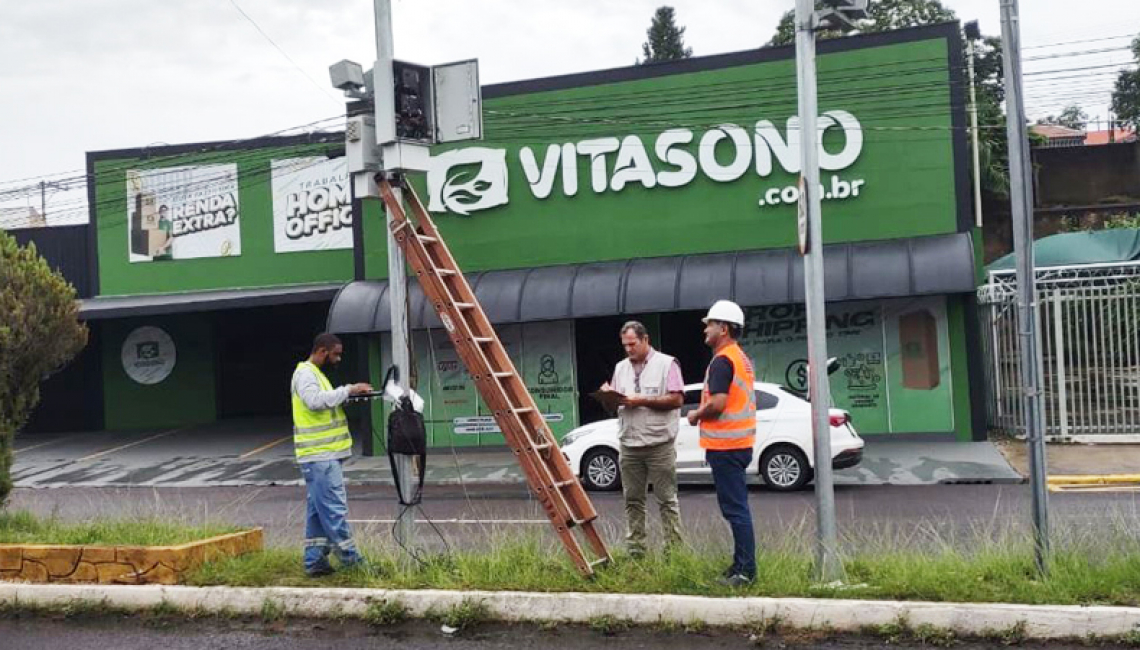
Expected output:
{"points": [[828, 567], [1021, 199], [397, 268]]}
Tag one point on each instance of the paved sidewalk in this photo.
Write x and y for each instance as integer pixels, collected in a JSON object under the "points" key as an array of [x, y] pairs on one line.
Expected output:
{"points": [[256, 452], [1074, 459]]}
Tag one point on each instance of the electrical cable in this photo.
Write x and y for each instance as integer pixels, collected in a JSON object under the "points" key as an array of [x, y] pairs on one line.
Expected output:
{"points": [[324, 91], [530, 126], [415, 503], [847, 79]]}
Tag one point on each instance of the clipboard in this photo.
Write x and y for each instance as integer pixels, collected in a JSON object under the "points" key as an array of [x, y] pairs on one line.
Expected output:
{"points": [[609, 399]]}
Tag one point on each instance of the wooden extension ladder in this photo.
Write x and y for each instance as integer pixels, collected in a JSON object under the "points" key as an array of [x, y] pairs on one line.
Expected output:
{"points": [[502, 389]]}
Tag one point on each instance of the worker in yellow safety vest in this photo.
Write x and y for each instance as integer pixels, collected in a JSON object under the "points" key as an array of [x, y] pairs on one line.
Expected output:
{"points": [[727, 420], [322, 441]]}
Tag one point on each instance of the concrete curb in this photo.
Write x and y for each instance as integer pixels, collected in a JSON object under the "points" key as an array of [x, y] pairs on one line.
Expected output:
{"points": [[1038, 621]]}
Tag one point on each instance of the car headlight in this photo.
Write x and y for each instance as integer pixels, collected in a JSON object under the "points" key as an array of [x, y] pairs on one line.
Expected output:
{"points": [[574, 436]]}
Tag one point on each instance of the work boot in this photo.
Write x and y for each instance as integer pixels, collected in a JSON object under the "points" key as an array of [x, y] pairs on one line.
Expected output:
{"points": [[320, 570], [735, 580]]}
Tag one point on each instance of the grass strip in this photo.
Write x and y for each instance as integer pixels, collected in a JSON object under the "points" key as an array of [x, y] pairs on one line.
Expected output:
{"points": [[992, 573], [25, 528]]}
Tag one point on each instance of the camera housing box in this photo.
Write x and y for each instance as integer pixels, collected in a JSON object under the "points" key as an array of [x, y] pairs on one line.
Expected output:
{"points": [[421, 104], [346, 75]]}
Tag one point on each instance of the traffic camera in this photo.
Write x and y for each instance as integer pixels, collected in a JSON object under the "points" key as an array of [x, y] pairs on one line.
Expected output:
{"points": [[843, 14]]}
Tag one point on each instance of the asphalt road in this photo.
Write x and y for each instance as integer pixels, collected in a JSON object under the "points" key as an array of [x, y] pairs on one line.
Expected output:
{"points": [[119, 633], [890, 514]]}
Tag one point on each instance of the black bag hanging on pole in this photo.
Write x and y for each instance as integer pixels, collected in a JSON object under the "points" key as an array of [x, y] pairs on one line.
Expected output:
{"points": [[407, 436]]}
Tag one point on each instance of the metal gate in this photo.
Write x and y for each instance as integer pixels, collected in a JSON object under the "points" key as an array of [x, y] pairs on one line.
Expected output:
{"points": [[1088, 323]]}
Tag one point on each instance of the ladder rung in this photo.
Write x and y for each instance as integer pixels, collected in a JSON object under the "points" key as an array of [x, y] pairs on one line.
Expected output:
{"points": [[579, 522], [599, 561], [524, 409], [502, 375], [428, 239], [465, 305], [542, 446], [562, 484], [483, 339], [444, 272]]}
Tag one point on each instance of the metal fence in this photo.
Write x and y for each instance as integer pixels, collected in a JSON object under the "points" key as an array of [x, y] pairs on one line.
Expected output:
{"points": [[1088, 323]]}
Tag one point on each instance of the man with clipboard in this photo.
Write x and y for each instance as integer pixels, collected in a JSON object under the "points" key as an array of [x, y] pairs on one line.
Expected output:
{"points": [[648, 391]]}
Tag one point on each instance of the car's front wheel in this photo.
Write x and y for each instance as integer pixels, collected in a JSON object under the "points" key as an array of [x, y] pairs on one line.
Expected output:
{"points": [[600, 470], [784, 468]]}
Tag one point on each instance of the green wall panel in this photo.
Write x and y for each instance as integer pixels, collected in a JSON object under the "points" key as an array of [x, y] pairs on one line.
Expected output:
{"points": [[184, 398]]}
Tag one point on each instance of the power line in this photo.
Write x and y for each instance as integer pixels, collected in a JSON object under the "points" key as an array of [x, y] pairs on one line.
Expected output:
{"points": [[531, 122], [285, 54], [1087, 40]]}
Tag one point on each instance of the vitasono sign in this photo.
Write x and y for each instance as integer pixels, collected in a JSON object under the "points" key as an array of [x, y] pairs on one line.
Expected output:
{"points": [[615, 163]]}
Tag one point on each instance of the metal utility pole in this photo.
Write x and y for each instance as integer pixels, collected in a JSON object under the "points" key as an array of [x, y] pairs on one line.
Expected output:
{"points": [[828, 567], [972, 34], [44, 186], [1021, 197], [397, 267]]}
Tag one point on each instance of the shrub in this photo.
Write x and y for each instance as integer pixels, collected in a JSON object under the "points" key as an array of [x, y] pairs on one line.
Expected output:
{"points": [[39, 334]]}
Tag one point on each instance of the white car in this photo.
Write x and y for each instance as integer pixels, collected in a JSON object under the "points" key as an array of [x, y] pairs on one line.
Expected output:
{"points": [[783, 457]]}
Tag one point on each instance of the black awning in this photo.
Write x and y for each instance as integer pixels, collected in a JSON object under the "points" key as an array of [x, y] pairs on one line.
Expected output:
{"points": [[903, 267], [176, 303]]}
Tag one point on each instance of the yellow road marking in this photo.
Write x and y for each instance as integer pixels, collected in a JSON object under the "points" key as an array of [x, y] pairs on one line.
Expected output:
{"points": [[99, 454], [1093, 479], [42, 444], [262, 448], [1080, 487]]}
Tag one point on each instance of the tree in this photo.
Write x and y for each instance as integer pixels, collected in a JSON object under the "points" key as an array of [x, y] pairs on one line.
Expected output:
{"points": [[884, 15], [39, 334], [666, 41], [1126, 95], [993, 146], [1072, 117]]}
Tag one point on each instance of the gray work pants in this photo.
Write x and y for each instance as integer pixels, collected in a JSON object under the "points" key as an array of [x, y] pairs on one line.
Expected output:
{"points": [[641, 466]]}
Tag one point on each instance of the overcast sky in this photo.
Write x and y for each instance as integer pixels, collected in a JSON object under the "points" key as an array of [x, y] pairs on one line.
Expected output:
{"points": [[114, 74]]}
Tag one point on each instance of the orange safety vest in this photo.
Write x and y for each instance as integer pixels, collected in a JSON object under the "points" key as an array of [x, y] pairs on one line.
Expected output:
{"points": [[735, 427]]}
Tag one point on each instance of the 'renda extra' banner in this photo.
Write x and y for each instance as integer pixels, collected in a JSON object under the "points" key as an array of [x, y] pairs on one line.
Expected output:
{"points": [[312, 205], [178, 213]]}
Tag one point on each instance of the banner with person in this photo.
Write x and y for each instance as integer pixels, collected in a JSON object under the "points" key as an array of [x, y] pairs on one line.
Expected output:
{"points": [[178, 213]]}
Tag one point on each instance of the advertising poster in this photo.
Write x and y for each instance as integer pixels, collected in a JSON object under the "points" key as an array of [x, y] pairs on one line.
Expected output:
{"points": [[455, 414], [179, 213], [547, 366], [312, 205], [451, 391], [894, 374]]}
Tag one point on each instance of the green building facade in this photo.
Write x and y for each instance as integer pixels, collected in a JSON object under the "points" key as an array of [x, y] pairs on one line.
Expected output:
{"points": [[646, 192]]}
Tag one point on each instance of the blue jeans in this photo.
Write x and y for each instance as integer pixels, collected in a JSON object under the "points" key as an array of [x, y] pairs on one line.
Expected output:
{"points": [[732, 496], [326, 519]]}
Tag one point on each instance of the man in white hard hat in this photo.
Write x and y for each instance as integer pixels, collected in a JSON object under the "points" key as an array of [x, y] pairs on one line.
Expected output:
{"points": [[647, 430], [727, 419]]}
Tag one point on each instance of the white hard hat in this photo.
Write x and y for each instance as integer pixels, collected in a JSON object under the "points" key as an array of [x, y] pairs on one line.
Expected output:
{"points": [[725, 311]]}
